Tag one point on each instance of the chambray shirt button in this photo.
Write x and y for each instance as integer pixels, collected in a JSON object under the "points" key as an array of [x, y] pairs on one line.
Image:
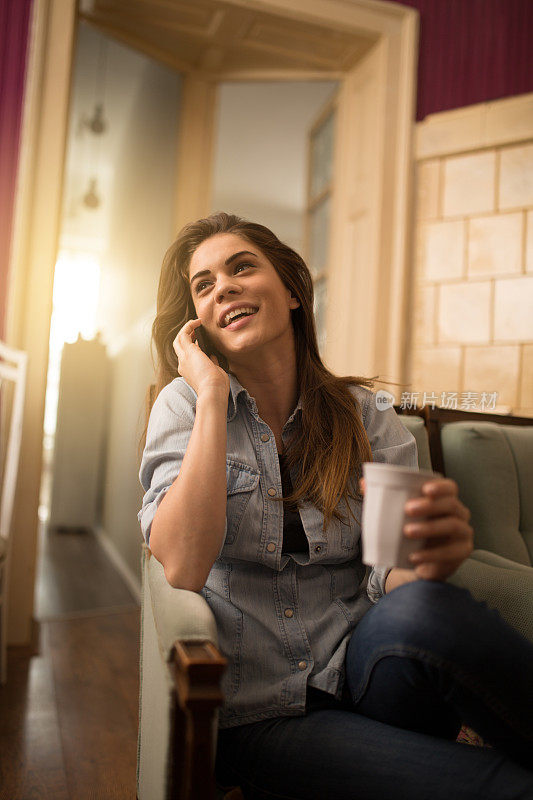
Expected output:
{"points": [[318, 548], [289, 612], [272, 492], [265, 437], [302, 664], [271, 547]]}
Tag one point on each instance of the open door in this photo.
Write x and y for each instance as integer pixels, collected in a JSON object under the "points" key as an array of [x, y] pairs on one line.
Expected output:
{"points": [[370, 219]]}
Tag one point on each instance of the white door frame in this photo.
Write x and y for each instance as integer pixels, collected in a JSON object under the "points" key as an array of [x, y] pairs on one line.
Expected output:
{"points": [[31, 273]]}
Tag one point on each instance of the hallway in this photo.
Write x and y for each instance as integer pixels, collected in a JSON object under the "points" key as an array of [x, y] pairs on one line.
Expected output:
{"points": [[69, 710]]}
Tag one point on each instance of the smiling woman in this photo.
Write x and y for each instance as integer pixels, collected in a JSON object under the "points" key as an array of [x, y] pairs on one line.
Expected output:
{"points": [[341, 682], [224, 263]]}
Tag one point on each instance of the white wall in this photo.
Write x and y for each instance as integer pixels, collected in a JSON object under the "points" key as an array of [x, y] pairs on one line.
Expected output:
{"points": [[261, 152]]}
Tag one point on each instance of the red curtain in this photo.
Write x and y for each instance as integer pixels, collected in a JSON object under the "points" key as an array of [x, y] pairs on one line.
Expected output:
{"points": [[472, 51], [14, 32]]}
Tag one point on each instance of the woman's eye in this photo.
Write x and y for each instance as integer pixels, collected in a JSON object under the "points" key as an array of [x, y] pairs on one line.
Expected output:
{"points": [[203, 283]]}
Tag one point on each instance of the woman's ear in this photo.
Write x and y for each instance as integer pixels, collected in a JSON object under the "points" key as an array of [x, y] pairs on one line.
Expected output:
{"points": [[294, 302]]}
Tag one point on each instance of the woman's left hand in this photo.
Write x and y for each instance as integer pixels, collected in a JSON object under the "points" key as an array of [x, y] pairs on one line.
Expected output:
{"points": [[449, 536]]}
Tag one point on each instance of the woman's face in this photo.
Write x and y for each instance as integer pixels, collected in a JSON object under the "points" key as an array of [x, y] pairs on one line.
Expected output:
{"points": [[239, 274]]}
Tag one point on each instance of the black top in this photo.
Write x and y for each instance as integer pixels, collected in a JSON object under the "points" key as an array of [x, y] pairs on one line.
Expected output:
{"points": [[294, 538]]}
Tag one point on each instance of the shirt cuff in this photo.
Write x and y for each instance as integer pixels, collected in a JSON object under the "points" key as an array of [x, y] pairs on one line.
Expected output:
{"points": [[376, 583]]}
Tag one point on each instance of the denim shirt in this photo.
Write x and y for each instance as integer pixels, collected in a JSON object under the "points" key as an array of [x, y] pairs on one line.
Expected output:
{"points": [[283, 620]]}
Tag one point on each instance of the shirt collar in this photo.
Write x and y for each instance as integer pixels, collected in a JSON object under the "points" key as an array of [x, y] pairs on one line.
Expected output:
{"points": [[235, 389]]}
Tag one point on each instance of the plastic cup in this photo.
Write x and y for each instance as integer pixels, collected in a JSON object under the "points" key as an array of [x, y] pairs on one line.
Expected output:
{"points": [[387, 489]]}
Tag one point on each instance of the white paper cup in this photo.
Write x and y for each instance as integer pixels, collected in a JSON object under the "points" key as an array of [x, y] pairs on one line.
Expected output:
{"points": [[387, 489]]}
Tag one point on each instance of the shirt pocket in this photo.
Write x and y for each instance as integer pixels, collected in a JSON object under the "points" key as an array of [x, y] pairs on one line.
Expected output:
{"points": [[349, 530], [242, 481], [346, 582], [349, 535], [343, 539]]}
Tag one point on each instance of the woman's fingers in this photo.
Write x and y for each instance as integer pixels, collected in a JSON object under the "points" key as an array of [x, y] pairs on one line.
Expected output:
{"points": [[448, 536], [440, 486], [201, 371], [450, 526], [185, 331], [440, 498], [456, 550], [437, 507], [188, 328], [436, 572]]}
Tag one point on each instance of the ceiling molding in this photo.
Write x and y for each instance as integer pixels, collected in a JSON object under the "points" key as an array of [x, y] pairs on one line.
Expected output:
{"points": [[215, 38]]}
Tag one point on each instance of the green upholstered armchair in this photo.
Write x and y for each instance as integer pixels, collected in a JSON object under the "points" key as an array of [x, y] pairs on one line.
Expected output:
{"points": [[493, 466], [492, 463]]}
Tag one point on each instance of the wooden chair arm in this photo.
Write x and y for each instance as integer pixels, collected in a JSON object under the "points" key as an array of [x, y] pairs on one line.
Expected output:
{"points": [[196, 669]]}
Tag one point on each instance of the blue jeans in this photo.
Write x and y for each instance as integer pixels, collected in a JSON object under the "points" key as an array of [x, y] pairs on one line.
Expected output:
{"points": [[422, 661]]}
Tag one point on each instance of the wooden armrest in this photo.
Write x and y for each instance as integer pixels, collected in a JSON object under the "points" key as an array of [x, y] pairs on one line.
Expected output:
{"points": [[196, 669]]}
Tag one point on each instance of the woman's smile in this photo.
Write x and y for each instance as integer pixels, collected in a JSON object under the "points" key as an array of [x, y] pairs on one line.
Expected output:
{"points": [[238, 323]]}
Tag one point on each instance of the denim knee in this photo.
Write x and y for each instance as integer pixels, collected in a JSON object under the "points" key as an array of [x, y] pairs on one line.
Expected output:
{"points": [[422, 615]]}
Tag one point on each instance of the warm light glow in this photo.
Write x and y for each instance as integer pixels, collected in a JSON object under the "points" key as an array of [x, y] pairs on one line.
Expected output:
{"points": [[76, 285], [75, 304]]}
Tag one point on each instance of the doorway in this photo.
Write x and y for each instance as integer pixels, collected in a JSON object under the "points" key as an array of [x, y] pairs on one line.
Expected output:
{"points": [[273, 160]]}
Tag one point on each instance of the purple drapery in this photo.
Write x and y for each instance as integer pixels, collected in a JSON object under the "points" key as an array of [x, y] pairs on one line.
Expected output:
{"points": [[472, 51], [14, 32]]}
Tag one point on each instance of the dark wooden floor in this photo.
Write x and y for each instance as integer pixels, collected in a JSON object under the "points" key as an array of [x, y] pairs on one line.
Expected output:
{"points": [[68, 712], [75, 575]]}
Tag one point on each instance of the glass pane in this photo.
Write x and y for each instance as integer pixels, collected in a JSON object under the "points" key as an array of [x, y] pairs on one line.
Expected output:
{"points": [[322, 156], [319, 308], [319, 237]]}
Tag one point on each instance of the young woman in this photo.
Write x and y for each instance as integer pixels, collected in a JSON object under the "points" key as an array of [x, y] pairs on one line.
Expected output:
{"points": [[340, 684]]}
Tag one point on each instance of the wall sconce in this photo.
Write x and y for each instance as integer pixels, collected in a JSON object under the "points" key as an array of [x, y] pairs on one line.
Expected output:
{"points": [[91, 198], [97, 123]]}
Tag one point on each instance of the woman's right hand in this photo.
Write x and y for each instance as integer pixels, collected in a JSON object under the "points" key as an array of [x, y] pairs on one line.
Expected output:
{"points": [[199, 370]]}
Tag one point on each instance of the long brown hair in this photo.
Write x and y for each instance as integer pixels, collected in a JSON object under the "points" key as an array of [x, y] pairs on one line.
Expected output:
{"points": [[330, 445]]}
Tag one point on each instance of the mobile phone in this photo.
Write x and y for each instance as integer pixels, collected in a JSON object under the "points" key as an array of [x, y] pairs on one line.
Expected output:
{"points": [[205, 344], [204, 341]]}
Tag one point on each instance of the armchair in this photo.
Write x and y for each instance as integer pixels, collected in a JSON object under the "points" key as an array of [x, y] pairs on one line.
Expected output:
{"points": [[491, 458], [493, 466]]}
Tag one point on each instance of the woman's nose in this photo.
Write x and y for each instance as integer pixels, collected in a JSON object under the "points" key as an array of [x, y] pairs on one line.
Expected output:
{"points": [[226, 286]]}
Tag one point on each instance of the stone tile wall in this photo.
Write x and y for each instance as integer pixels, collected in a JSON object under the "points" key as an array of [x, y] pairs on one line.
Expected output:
{"points": [[473, 281]]}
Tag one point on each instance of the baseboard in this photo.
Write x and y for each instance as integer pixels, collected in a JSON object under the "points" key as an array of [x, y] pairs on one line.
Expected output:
{"points": [[131, 579]]}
